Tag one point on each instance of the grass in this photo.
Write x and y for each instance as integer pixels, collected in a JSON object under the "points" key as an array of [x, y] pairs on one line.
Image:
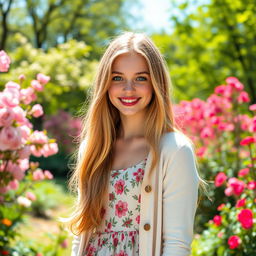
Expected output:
{"points": [[53, 196]]}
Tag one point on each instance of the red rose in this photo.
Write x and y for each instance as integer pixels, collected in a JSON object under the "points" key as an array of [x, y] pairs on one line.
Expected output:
{"points": [[234, 242], [220, 179], [217, 220], [247, 141], [240, 203], [245, 217]]}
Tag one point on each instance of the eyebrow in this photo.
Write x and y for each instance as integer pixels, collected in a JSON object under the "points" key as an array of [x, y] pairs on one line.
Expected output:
{"points": [[138, 73]]}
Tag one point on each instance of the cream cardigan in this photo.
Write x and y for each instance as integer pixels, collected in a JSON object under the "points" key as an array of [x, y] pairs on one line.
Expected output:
{"points": [[170, 206]]}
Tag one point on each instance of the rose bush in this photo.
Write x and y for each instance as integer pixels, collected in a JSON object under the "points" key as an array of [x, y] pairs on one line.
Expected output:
{"points": [[224, 131], [18, 141]]}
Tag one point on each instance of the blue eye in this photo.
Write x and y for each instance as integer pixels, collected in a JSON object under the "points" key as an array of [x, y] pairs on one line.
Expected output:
{"points": [[117, 78], [141, 78]]}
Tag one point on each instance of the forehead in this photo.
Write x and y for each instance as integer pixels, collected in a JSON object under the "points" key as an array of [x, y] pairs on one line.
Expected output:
{"points": [[131, 61]]}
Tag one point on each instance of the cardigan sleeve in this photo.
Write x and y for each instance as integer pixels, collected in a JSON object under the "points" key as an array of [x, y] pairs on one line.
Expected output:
{"points": [[76, 239], [180, 193]]}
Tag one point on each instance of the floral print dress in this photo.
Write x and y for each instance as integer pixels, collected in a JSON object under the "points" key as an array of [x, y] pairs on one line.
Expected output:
{"points": [[118, 234]]}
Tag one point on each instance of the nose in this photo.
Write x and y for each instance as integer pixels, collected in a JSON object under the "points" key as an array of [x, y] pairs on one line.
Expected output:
{"points": [[129, 85]]}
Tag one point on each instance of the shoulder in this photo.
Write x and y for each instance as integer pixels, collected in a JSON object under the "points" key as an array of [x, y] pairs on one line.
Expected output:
{"points": [[172, 142]]}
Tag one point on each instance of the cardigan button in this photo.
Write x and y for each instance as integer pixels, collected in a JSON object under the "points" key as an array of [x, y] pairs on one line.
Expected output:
{"points": [[147, 226], [148, 188]]}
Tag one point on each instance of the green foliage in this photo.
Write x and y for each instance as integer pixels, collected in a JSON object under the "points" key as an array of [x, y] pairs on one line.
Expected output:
{"points": [[68, 66], [208, 44]]}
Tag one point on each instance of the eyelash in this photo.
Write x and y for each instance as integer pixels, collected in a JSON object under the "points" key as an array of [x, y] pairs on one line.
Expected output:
{"points": [[145, 79]]}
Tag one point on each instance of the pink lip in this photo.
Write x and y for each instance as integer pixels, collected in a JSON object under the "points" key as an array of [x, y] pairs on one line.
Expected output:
{"points": [[129, 98]]}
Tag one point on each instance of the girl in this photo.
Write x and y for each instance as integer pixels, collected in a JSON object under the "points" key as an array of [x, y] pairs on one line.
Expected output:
{"points": [[136, 173]]}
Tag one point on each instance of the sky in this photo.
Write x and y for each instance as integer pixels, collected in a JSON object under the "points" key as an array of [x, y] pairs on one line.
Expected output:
{"points": [[152, 15]]}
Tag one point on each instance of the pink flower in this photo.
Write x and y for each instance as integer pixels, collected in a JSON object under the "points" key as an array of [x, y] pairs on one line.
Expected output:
{"points": [[9, 99], [43, 79], [243, 172], [31, 196], [234, 242], [252, 107], [220, 234], [38, 137], [38, 175], [247, 141], [207, 132], [217, 220], [245, 217], [10, 138], [37, 110], [243, 97], [201, 151], [119, 187], [220, 207], [4, 61], [240, 203], [138, 219], [49, 149], [228, 191], [13, 184], [48, 175], [220, 179], [36, 85], [251, 185], [121, 253], [15, 170], [115, 242], [234, 82], [237, 185], [64, 244], [121, 208], [28, 95], [22, 77], [6, 116], [24, 152]]}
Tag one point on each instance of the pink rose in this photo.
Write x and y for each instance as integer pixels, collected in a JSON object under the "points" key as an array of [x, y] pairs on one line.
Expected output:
{"points": [[31, 196], [15, 170], [6, 116], [245, 217], [220, 179], [28, 95], [48, 175], [43, 79], [253, 107], [9, 99], [36, 85], [64, 244], [37, 110], [121, 208], [4, 61], [19, 115], [237, 185], [13, 184], [243, 172], [247, 141], [251, 185], [24, 152], [234, 242], [240, 203], [220, 207], [217, 220], [243, 97], [49, 149], [38, 175], [234, 82], [119, 187], [228, 191], [10, 138], [38, 137]]}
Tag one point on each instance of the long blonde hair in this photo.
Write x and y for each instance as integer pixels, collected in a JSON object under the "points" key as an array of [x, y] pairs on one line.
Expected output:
{"points": [[101, 123]]}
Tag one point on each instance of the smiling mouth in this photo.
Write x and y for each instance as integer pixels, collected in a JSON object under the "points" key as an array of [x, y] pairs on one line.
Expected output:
{"points": [[129, 102]]}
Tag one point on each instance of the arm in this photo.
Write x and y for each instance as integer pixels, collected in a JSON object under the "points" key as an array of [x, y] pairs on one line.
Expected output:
{"points": [[180, 193]]}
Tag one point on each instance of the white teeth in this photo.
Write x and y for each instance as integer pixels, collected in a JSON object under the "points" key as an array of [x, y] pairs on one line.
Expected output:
{"points": [[128, 101]]}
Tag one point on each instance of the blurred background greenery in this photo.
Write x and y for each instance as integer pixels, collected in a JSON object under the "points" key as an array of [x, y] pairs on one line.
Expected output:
{"points": [[203, 42]]}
